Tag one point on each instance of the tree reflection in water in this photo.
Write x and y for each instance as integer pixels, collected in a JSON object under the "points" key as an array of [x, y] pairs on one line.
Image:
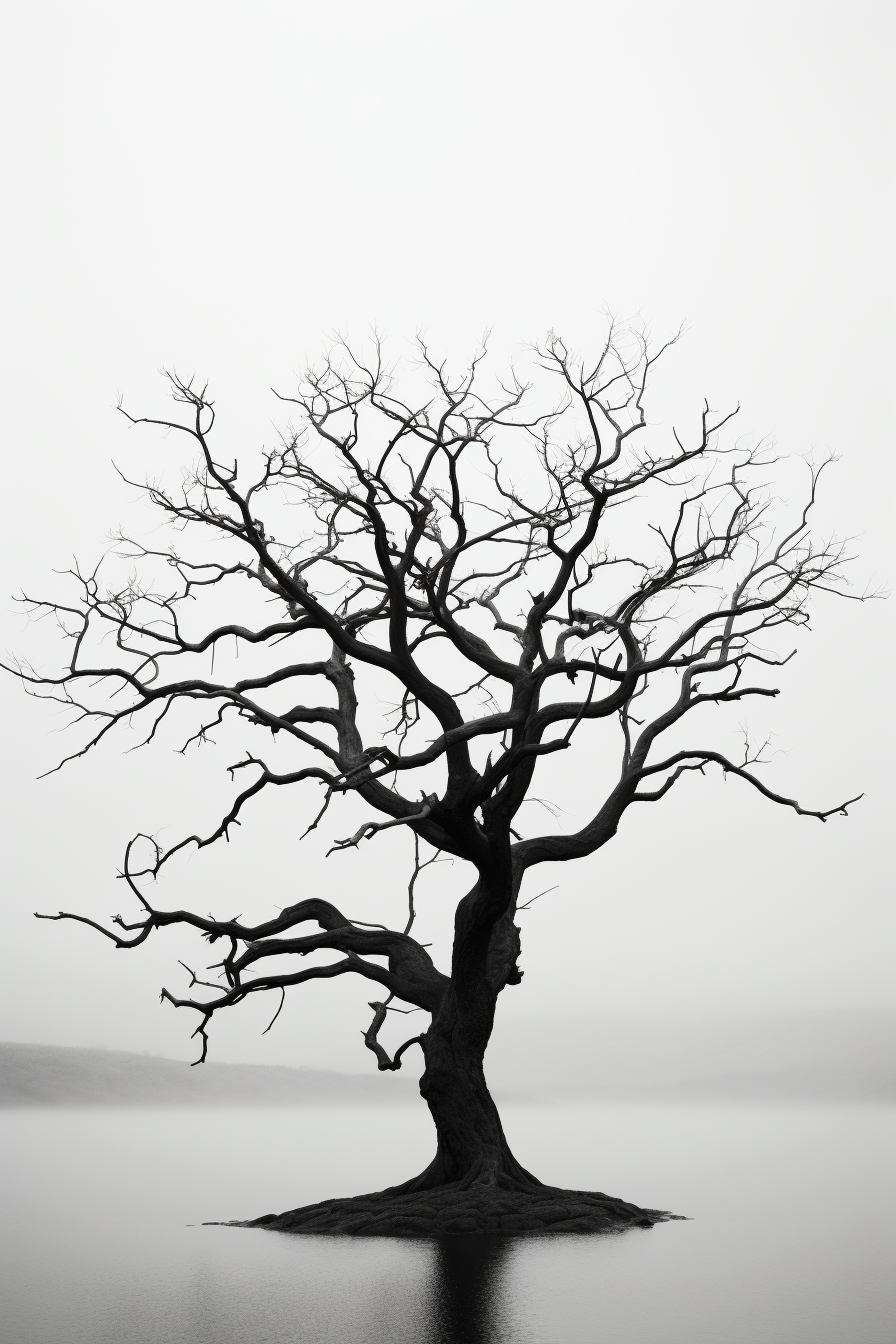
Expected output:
{"points": [[468, 1274]]}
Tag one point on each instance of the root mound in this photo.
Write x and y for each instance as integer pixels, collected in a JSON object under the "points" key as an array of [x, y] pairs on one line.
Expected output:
{"points": [[454, 1210]]}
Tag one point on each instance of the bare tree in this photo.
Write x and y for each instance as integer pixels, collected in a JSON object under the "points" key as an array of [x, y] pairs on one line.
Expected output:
{"points": [[516, 574]]}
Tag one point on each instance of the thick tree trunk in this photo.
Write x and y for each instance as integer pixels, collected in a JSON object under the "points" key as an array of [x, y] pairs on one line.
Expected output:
{"points": [[470, 1138], [471, 1142]]}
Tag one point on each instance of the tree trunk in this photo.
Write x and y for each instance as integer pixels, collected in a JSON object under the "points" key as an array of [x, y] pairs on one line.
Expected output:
{"points": [[472, 1147], [471, 1143]]}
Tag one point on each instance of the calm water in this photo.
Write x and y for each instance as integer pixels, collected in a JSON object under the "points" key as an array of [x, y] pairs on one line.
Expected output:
{"points": [[791, 1238]]}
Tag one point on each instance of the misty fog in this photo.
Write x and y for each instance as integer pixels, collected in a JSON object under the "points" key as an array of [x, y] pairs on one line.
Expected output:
{"points": [[215, 189]]}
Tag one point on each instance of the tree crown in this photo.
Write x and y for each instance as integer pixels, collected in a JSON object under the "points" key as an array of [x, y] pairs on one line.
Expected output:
{"points": [[511, 572]]}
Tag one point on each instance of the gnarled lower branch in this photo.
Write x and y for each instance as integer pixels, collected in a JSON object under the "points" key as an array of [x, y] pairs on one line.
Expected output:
{"points": [[383, 1060]]}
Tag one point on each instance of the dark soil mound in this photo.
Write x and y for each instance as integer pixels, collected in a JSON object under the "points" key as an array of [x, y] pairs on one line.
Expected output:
{"points": [[452, 1210]]}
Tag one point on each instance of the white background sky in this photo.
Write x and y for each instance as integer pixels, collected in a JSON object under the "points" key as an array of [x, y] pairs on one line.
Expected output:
{"points": [[215, 187]]}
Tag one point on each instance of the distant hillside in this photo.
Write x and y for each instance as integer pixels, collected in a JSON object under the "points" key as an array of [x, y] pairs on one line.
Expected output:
{"points": [[783, 1057], [55, 1075], [810, 1057]]}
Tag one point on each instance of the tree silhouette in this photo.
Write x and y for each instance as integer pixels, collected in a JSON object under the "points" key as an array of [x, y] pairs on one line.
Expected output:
{"points": [[517, 574]]}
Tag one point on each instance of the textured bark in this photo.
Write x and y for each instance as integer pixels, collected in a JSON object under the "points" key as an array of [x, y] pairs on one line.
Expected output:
{"points": [[471, 1146]]}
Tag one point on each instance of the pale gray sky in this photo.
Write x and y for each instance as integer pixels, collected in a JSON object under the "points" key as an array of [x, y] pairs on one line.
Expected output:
{"points": [[216, 187]]}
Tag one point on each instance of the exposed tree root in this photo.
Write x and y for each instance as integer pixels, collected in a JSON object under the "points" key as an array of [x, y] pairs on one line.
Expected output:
{"points": [[451, 1210]]}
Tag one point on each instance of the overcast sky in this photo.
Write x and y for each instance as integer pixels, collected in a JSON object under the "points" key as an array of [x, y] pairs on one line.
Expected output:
{"points": [[216, 187]]}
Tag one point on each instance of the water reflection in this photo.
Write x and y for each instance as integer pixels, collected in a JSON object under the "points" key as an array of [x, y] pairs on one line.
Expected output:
{"points": [[466, 1290]]}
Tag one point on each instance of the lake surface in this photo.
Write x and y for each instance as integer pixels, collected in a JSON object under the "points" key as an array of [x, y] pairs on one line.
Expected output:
{"points": [[791, 1237]]}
